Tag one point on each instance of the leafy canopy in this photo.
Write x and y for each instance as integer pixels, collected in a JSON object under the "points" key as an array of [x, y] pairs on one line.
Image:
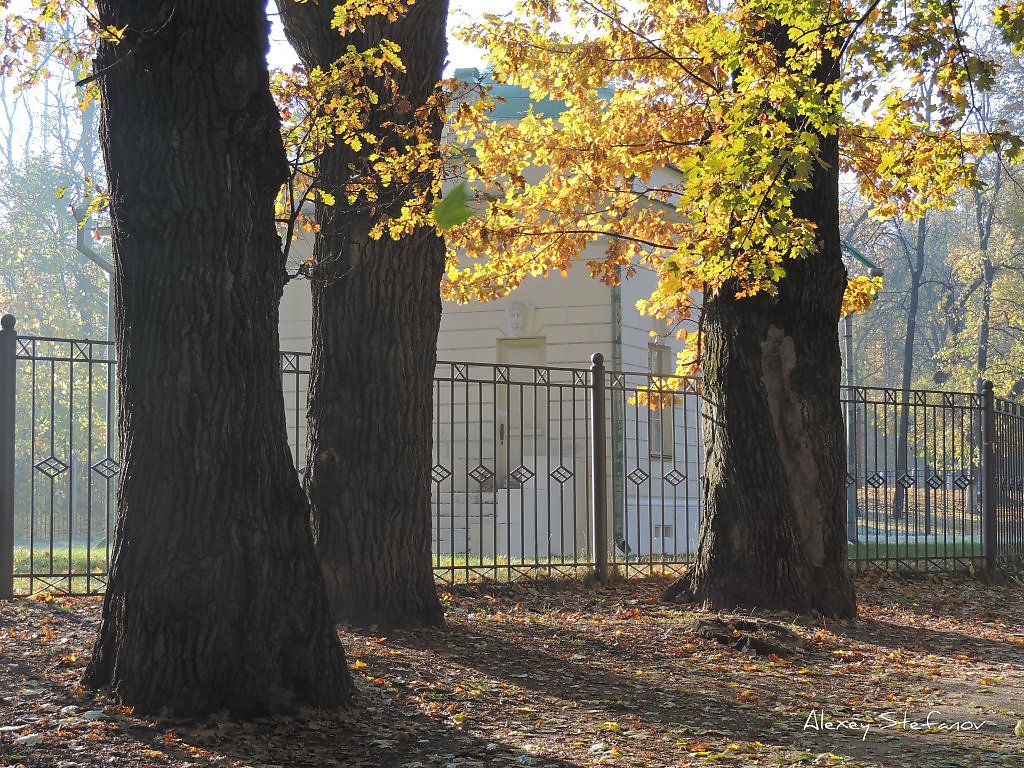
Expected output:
{"points": [[688, 127]]}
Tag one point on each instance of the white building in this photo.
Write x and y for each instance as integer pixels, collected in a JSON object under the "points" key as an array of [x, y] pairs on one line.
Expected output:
{"points": [[511, 443]]}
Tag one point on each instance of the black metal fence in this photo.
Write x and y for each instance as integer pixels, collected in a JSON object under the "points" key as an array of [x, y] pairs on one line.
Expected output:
{"points": [[524, 460]]}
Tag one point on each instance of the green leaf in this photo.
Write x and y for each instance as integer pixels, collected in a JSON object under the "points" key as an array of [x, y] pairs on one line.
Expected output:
{"points": [[453, 209]]}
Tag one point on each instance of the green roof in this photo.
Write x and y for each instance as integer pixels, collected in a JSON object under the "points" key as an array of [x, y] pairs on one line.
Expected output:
{"points": [[513, 101]]}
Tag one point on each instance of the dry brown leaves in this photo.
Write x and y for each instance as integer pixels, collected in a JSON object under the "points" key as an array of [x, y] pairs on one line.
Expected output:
{"points": [[561, 675]]}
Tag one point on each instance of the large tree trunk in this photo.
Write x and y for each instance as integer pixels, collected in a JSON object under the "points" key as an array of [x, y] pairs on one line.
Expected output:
{"points": [[215, 600], [773, 533], [376, 315]]}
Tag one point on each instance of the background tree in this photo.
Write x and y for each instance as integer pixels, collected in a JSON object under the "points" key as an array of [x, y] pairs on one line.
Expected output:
{"points": [[45, 282], [750, 103], [54, 175], [376, 311], [985, 336], [215, 600], [980, 308], [954, 276]]}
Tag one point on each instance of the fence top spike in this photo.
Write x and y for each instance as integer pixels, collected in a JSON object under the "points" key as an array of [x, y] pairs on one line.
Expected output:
{"points": [[7, 321]]}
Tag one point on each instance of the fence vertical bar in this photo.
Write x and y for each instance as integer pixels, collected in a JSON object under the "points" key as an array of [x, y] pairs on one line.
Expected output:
{"points": [[599, 469], [988, 498], [8, 360]]}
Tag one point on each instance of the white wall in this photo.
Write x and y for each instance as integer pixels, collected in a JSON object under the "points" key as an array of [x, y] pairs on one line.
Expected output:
{"points": [[573, 317], [296, 310], [572, 314]]}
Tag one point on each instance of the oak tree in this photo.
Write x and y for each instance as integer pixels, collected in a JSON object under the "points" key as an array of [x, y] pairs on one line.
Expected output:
{"points": [[215, 600], [758, 107], [375, 274]]}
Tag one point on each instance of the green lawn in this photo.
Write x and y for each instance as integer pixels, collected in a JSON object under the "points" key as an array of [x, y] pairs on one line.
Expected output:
{"points": [[84, 570], [941, 554], [63, 570]]}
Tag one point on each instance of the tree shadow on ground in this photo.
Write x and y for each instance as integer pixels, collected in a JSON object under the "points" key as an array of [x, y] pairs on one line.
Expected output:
{"points": [[368, 735], [903, 637], [565, 664]]}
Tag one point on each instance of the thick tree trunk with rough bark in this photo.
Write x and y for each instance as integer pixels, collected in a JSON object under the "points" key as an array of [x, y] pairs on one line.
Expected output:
{"points": [[774, 531], [376, 315], [215, 599]]}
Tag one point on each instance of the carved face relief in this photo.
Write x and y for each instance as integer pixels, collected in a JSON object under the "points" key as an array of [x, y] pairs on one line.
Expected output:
{"points": [[517, 317]]}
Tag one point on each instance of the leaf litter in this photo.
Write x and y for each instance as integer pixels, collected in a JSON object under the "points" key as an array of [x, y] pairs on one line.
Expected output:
{"points": [[560, 675]]}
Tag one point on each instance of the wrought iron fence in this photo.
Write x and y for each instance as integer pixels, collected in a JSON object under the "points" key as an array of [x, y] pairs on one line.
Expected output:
{"points": [[512, 470], [1007, 482], [537, 471], [60, 455], [914, 479]]}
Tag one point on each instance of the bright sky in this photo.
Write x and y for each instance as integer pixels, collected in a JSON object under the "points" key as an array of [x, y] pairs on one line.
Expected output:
{"points": [[459, 54], [281, 54]]}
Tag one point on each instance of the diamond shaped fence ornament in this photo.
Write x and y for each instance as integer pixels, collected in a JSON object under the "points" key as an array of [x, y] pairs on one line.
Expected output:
{"points": [[481, 474], [106, 467], [674, 477], [521, 474], [561, 474], [963, 482], [52, 466], [936, 481], [876, 481], [906, 481], [638, 476], [440, 473], [850, 480]]}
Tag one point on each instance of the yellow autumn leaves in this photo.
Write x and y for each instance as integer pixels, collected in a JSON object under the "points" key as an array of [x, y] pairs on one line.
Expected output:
{"points": [[860, 293]]}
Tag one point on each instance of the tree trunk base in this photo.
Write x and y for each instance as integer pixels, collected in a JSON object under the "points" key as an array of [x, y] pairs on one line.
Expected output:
{"points": [[837, 602], [680, 590], [419, 608]]}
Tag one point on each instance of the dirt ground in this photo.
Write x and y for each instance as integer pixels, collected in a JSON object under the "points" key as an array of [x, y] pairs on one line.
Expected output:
{"points": [[561, 675]]}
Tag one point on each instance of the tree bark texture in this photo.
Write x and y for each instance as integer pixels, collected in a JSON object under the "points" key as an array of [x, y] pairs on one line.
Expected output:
{"points": [[376, 315], [215, 600], [773, 533]]}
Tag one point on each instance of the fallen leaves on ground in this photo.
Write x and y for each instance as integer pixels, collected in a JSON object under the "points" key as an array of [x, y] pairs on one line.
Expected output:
{"points": [[563, 675]]}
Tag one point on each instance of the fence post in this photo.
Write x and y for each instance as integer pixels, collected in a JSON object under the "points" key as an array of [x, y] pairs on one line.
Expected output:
{"points": [[8, 352], [599, 469], [990, 530]]}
